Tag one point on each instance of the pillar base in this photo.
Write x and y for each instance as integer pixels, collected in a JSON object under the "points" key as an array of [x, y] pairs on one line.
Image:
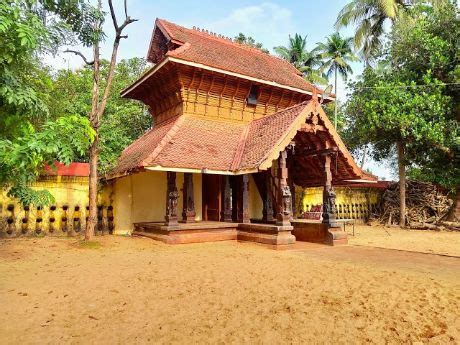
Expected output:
{"points": [[266, 234], [336, 236]]}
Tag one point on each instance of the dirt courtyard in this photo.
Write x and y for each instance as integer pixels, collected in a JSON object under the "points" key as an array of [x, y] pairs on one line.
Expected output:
{"points": [[136, 290]]}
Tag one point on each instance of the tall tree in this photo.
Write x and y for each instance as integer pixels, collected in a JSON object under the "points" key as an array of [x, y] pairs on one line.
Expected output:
{"points": [[248, 40], [123, 121], [29, 138], [306, 61], [408, 107], [337, 53], [98, 103], [369, 17]]}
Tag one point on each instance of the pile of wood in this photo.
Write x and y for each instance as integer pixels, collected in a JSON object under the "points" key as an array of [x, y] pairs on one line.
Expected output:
{"points": [[427, 206]]}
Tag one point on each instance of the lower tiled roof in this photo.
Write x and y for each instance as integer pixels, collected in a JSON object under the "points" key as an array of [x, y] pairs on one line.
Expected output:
{"points": [[205, 144]]}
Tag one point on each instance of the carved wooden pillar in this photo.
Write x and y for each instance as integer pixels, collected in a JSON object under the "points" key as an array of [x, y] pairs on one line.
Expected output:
{"points": [[284, 194], [171, 200], [267, 211], [329, 209], [227, 207], [245, 200], [188, 207]]}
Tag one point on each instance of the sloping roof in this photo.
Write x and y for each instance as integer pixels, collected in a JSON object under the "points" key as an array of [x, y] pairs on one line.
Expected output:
{"points": [[200, 144], [211, 50]]}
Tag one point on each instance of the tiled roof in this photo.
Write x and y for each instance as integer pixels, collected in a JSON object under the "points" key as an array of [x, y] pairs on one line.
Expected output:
{"points": [[210, 50], [199, 144], [187, 142], [192, 142], [265, 133]]}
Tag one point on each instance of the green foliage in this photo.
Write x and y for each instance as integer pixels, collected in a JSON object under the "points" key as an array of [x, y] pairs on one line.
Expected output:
{"points": [[307, 62], [29, 138], [412, 97], [248, 40], [369, 17], [337, 53], [22, 35], [77, 18], [23, 158], [123, 121]]}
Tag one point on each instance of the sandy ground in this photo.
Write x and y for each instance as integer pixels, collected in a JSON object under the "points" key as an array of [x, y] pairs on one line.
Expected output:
{"points": [[440, 242], [135, 290]]}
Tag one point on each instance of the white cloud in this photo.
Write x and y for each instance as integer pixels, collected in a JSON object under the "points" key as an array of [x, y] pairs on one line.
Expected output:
{"points": [[267, 23]]}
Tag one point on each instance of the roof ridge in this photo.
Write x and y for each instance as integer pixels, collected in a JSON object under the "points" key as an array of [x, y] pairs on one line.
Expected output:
{"points": [[240, 148], [223, 39], [168, 136], [283, 138], [339, 142]]}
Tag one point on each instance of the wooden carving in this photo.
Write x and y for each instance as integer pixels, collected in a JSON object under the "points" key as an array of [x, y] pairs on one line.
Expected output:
{"points": [[284, 214], [227, 209], [245, 198], [329, 209], [188, 209], [172, 196]]}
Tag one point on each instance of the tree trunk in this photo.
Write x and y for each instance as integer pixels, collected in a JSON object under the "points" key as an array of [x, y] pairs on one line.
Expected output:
{"points": [[402, 183], [336, 100], [92, 218], [93, 157], [97, 110], [363, 160]]}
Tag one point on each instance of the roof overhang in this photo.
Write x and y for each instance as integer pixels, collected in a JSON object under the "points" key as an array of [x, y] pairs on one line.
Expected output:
{"points": [[167, 59]]}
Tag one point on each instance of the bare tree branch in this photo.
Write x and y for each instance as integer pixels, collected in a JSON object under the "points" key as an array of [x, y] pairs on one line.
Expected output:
{"points": [[113, 15], [127, 21], [76, 52], [126, 10]]}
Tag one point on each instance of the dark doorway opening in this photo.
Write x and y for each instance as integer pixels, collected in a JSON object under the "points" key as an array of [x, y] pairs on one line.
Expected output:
{"points": [[212, 197]]}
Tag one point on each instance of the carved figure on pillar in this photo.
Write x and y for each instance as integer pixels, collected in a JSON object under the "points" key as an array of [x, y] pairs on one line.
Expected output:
{"points": [[329, 208], [287, 201], [227, 209], [188, 208], [172, 196], [284, 194]]}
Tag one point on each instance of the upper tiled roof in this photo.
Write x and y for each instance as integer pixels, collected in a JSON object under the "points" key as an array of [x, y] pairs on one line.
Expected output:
{"points": [[200, 144], [200, 47]]}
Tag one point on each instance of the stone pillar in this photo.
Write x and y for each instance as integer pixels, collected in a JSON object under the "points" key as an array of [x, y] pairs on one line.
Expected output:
{"points": [[329, 209], [245, 200], [284, 213], [227, 201], [188, 207], [267, 211], [172, 195]]}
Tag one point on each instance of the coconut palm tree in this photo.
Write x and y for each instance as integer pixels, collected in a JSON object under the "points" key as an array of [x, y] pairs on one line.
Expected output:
{"points": [[304, 60], [369, 16], [337, 53]]}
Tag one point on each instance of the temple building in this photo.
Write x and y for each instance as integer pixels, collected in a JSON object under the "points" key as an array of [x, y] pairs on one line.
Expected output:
{"points": [[234, 129]]}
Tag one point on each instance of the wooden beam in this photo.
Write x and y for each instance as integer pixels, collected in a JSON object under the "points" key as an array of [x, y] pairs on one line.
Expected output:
{"points": [[245, 200], [227, 202], [188, 207], [311, 128], [284, 213], [172, 195]]}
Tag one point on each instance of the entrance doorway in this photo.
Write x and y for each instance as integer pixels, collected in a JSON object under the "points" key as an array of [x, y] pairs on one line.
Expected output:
{"points": [[212, 197]]}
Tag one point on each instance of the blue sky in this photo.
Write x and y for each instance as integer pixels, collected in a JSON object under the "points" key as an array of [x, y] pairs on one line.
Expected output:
{"points": [[268, 22]]}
